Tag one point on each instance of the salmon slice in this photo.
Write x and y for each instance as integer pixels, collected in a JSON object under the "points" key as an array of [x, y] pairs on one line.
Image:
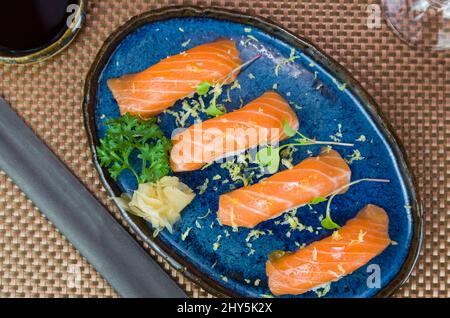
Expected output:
{"points": [[258, 123], [312, 178], [353, 246], [150, 92]]}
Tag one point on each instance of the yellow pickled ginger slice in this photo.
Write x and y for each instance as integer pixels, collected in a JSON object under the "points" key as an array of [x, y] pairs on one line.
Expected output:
{"points": [[160, 203]]}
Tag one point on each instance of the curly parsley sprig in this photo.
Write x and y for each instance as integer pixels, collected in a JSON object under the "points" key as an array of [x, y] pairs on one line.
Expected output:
{"points": [[129, 135]]}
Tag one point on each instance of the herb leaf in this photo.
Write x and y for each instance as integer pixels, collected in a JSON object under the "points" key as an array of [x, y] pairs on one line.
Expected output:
{"points": [[317, 200], [269, 158], [215, 109], [327, 222], [203, 88], [129, 135], [305, 141], [288, 130]]}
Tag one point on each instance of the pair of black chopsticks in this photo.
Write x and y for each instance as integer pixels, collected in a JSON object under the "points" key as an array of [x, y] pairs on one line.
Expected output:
{"points": [[77, 214]]}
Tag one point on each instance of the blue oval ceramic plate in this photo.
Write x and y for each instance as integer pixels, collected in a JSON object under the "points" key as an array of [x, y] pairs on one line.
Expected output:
{"points": [[328, 102]]}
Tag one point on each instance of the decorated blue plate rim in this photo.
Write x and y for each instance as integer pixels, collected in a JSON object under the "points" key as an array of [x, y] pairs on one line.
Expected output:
{"points": [[310, 50]]}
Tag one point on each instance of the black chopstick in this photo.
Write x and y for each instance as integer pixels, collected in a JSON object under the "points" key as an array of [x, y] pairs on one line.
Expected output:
{"points": [[67, 203]]}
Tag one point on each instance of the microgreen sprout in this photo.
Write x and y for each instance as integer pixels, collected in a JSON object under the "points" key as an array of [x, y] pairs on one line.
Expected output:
{"points": [[317, 200], [269, 157], [327, 222], [305, 141], [215, 89], [214, 108], [203, 88]]}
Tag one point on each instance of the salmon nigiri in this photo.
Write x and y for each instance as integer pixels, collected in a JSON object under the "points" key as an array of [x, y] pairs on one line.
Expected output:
{"points": [[150, 92], [313, 178], [349, 248], [259, 122]]}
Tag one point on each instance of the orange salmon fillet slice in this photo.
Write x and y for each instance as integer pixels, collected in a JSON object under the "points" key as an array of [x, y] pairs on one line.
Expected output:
{"points": [[312, 178], [259, 122], [150, 92], [348, 249]]}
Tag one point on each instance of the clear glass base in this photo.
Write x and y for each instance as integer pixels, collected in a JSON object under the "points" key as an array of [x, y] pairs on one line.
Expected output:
{"points": [[420, 23]]}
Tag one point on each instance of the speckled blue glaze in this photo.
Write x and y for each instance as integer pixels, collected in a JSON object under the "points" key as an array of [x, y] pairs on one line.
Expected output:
{"points": [[324, 107]]}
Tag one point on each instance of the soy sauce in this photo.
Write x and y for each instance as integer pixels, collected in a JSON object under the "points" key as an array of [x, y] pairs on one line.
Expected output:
{"points": [[30, 25]]}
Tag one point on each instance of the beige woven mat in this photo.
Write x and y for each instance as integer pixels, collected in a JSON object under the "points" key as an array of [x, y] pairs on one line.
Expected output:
{"points": [[412, 87]]}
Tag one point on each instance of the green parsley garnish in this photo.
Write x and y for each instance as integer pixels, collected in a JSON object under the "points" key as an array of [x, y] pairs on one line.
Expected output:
{"points": [[269, 157], [129, 135]]}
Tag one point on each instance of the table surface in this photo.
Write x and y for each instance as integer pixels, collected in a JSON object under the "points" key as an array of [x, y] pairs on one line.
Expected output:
{"points": [[411, 86]]}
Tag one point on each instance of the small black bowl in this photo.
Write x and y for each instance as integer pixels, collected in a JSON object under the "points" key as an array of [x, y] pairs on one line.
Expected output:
{"points": [[63, 39]]}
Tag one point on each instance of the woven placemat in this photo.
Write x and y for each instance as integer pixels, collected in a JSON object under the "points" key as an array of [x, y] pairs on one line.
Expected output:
{"points": [[412, 87]]}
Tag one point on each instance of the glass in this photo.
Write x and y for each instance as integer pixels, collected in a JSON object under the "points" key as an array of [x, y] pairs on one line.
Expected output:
{"points": [[420, 23]]}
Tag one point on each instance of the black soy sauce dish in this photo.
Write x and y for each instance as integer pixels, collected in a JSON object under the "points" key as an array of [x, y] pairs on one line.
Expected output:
{"points": [[34, 30]]}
